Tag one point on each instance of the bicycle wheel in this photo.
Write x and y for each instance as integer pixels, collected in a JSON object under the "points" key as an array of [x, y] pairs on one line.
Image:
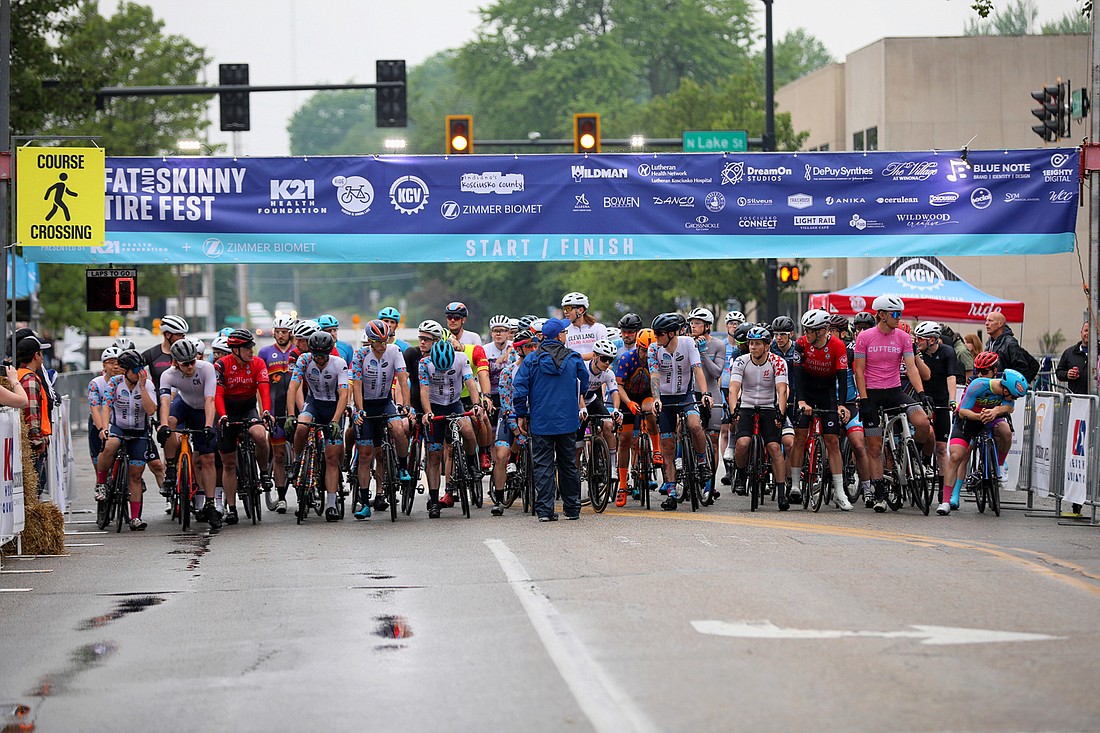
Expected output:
{"points": [[982, 468], [645, 468], [994, 485], [121, 490], [513, 485], [690, 473], [255, 489], [460, 478], [304, 482], [599, 474], [182, 493], [815, 491], [477, 487], [920, 486], [851, 477], [391, 480], [320, 484], [754, 474]]}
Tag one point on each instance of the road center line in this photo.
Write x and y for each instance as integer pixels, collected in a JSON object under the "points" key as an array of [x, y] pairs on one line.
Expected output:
{"points": [[607, 706]]}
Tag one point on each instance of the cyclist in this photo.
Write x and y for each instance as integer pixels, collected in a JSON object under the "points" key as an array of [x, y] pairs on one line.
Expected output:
{"points": [[674, 368], [158, 359], [938, 366], [497, 353], [129, 402], [194, 384], [603, 387], [615, 336], [632, 377], [508, 438], [987, 364], [759, 379], [98, 419], [392, 318], [456, 314], [479, 362], [219, 347], [583, 331], [277, 356], [377, 374], [782, 329], [733, 319], [242, 377], [879, 354], [712, 351], [856, 438], [629, 325], [442, 375], [986, 403], [331, 325], [124, 343]]}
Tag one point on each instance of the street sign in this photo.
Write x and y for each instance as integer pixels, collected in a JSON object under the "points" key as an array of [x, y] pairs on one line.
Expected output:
{"points": [[1079, 103], [716, 141], [60, 196]]}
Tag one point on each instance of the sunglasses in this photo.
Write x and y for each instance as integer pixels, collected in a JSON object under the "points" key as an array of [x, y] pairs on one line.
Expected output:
{"points": [[603, 359], [894, 314], [187, 363], [454, 318]]}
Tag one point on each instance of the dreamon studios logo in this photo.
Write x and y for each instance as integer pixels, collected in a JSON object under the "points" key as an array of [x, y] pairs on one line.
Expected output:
{"points": [[354, 193]]}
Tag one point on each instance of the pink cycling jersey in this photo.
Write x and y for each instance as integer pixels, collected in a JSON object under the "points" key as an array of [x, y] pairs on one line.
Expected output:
{"points": [[883, 354]]}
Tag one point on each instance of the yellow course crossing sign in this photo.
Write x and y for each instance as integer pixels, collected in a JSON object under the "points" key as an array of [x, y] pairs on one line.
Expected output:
{"points": [[60, 196]]}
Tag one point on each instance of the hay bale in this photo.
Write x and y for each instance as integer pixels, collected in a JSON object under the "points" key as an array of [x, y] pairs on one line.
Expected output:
{"points": [[44, 530]]}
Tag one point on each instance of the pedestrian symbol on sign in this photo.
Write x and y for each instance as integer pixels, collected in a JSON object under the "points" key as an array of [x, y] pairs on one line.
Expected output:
{"points": [[58, 191]]}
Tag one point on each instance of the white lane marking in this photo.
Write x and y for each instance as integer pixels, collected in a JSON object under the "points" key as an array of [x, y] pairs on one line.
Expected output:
{"points": [[933, 635], [607, 706]]}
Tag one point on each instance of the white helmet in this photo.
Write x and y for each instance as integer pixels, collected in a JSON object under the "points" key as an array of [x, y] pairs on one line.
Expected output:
{"points": [[701, 314], [536, 326], [305, 329], [928, 329], [513, 324], [111, 352], [173, 324], [220, 343], [283, 322], [574, 298], [433, 328], [815, 318], [123, 343], [200, 347], [737, 316], [500, 321], [604, 347], [887, 303], [613, 332]]}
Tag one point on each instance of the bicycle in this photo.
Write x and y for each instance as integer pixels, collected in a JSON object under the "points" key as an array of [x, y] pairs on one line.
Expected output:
{"points": [[642, 472], [114, 507], [520, 483], [462, 478], [310, 481], [595, 462], [852, 488], [389, 481], [691, 474], [416, 457], [758, 466], [183, 496], [248, 472], [982, 476], [273, 503], [902, 463], [816, 477]]}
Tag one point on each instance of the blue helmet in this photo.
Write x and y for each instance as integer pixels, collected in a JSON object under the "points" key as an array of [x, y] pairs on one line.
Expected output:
{"points": [[391, 313], [443, 354], [1016, 383], [326, 320], [225, 331]]}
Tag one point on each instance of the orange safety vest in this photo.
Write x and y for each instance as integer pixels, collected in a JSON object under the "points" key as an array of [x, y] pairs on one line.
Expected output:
{"points": [[43, 401]]}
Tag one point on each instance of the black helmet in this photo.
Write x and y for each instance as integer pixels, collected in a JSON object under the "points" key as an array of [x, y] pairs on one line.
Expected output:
{"points": [[668, 323], [864, 319], [130, 360], [321, 343], [782, 324], [630, 322], [741, 334], [184, 350], [240, 337], [526, 321], [839, 322]]}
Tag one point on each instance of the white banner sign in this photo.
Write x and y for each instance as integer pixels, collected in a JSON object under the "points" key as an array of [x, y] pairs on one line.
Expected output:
{"points": [[1044, 433], [1077, 444], [1016, 451], [12, 513]]}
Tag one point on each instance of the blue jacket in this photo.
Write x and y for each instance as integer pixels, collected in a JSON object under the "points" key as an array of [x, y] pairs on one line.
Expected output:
{"points": [[547, 388]]}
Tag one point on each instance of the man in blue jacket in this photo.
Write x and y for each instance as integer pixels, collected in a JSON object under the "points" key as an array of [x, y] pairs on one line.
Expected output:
{"points": [[547, 397]]}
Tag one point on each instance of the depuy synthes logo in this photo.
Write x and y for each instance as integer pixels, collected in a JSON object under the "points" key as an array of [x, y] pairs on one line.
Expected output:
{"points": [[213, 248], [409, 195], [354, 193], [491, 182], [583, 173]]}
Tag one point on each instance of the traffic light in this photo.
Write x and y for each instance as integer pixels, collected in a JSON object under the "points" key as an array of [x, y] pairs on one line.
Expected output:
{"points": [[156, 327], [234, 105], [115, 326], [390, 109], [460, 134], [1050, 112], [788, 273], [586, 133]]}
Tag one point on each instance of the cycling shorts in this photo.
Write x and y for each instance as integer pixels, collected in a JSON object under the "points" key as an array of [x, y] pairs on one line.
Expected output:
{"points": [[769, 428], [137, 450], [436, 428], [227, 438], [963, 431], [855, 425], [883, 398], [192, 419], [366, 432], [830, 420], [596, 407], [506, 432], [671, 406], [95, 444], [941, 424]]}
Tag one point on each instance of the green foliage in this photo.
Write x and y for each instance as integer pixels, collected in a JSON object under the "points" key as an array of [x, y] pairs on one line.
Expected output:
{"points": [[797, 54], [1020, 18], [1068, 25]]}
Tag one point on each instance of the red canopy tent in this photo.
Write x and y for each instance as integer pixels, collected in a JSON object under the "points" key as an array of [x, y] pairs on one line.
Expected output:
{"points": [[930, 289]]}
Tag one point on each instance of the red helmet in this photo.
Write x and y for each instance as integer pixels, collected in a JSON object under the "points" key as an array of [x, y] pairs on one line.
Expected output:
{"points": [[986, 360], [241, 337]]}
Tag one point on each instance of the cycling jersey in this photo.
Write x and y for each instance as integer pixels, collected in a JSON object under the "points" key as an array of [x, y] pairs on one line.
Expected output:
{"points": [[674, 369], [445, 385], [823, 371], [97, 390], [979, 397], [344, 350], [788, 356], [712, 354], [124, 403], [943, 364], [157, 362], [600, 386], [377, 374], [496, 365], [412, 357], [192, 390], [479, 362], [238, 384], [852, 392], [883, 354], [279, 363], [469, 338], [325, 382], [631, 369], [583, 337], [758, 381]]}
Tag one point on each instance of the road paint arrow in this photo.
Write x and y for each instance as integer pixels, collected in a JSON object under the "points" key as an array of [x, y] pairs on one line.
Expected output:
{"points": [[935, 635]]}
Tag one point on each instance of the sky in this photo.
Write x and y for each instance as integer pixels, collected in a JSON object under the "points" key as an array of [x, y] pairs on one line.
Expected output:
{"points": [[336, 41]]}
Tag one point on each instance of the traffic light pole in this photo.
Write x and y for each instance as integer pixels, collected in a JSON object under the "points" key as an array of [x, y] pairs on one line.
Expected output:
{"points": [[771, 266], [1094, 219]]}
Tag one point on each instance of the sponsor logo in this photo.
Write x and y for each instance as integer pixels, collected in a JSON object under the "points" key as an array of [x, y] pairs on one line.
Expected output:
{"points": [[858, 223], [990, 171], [983, 309], [911, 170], [919, 274], [491, 182], [582, 203], [644, 170], [981, 198], [814, 222], [753, 201], [354, 193], [735, 172], [1060, 160], [897, 200], [622, 202], [1062, 197], [844, 200], [409, 195], [213, 248], [109, 247], [1015, 197], [800, 201], [858, 303], [926, 219], [714, 202], [701, 223], [583, 173], [843, 173], [666, 173], [450, 210], [292, 189], [758, 222], [1061, 172], [686, 202], [943, 199], [958, 170]]}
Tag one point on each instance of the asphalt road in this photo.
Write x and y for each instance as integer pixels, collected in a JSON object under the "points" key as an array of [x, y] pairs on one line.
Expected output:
{"points": [[630, 620]]}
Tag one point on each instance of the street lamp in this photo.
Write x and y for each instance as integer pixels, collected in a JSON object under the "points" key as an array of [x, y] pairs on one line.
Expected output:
{"points": [[395, 145], [637, 142]]}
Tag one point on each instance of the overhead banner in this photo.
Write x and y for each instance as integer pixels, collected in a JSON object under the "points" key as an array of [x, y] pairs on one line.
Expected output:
{"points": [[476, 208]]}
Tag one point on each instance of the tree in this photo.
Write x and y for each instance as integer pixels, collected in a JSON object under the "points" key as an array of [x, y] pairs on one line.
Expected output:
{"points": [[1068, 25], [1020, 18], [336, 123], [797, 54], [984, 7]]}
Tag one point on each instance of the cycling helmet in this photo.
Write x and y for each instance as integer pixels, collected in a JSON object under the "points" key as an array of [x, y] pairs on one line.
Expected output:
{"points": [[737, 316], [123, 344], [613, 333], [200, 347], [432, 328], [888, 303], [376, 330], [536, 326], [741, 333], [839, 322], [184, 350], [130, 360], [758, 332], [443, 355], [499, 321], [986, 360], [305, 329], [667, 323], [928, 329], [630, 322], [1016, 383], [815, 318], [282, 322], [604, 347], [321, 343], [864, 319], [225, 331], [513, 324], [173, 324], [574, 299], [645, 338], [701, 314], [326, 321], [390, 313], [782, 324], [111, 352], [220, 343], [902, 325], [525, 322], [457, 308], [241, 337]]}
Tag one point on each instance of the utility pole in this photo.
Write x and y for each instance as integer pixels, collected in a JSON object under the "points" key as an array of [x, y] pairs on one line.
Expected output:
{"points": [[5, 149], [1094, 214], [771, 278]]}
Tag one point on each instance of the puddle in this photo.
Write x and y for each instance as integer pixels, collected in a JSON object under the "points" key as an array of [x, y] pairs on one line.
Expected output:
{"points": [[376, 576], [392, 627], [83, 658], [122, 608], [197, 546]]}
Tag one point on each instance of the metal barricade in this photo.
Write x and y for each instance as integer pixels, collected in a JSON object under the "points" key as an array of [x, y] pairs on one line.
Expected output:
{"points": [[1080, 444], [74, 385]]}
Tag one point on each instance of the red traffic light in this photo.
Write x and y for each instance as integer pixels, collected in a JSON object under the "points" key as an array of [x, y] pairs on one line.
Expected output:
{"points": [[586, 133], [460, 134]]}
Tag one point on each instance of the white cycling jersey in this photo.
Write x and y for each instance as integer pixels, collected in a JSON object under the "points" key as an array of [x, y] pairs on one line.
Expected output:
{"points": [[600, 386], [583, 337], [758, 381], [377, 374], [324, 382], [192, 390], [124, 404], [445, 385], [674, 369]]}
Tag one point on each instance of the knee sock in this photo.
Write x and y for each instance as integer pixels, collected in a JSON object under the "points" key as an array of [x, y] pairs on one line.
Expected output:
{"points": [[796, 479], [100, 476], [622, 478], [838, 485], [135, 509]]}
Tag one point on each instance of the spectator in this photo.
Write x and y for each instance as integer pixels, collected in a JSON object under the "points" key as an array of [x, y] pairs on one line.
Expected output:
{"points": [[15, 395], [546, 396], [28, 357], [1073, 367], [47, 378], [1004, 343]]}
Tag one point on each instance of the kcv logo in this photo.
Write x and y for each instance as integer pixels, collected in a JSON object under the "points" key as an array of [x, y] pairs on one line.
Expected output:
{"points": [[409, 195]]}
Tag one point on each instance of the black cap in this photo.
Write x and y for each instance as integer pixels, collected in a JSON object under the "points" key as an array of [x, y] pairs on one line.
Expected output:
{"points": [[24, 332], [27, 348]]}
